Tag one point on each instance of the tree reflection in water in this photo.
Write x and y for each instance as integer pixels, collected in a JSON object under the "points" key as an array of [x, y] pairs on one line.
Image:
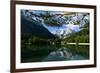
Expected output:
{"points": [[54, 53]]}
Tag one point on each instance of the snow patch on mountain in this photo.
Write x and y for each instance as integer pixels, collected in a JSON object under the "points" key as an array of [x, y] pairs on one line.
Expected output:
{"points": [[73, 22]]}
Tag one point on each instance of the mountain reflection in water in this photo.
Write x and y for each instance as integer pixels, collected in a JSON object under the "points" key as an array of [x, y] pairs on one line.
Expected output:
{"points": [[62, 54], [54, 53]]}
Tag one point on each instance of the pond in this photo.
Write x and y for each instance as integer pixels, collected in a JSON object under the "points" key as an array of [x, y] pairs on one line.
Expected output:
{"points": [[54, 53]]}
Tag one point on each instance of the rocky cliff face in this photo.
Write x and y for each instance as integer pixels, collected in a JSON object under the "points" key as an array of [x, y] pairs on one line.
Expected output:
{"points": [[52, 23]]}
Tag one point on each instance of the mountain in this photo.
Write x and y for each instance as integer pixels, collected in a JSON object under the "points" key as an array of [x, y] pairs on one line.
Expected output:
{"points": [[44, 24], [81, 36], [32, 27]]}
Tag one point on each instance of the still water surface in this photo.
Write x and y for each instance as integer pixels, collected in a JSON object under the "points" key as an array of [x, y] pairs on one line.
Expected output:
{"points": [[54, 53]]}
